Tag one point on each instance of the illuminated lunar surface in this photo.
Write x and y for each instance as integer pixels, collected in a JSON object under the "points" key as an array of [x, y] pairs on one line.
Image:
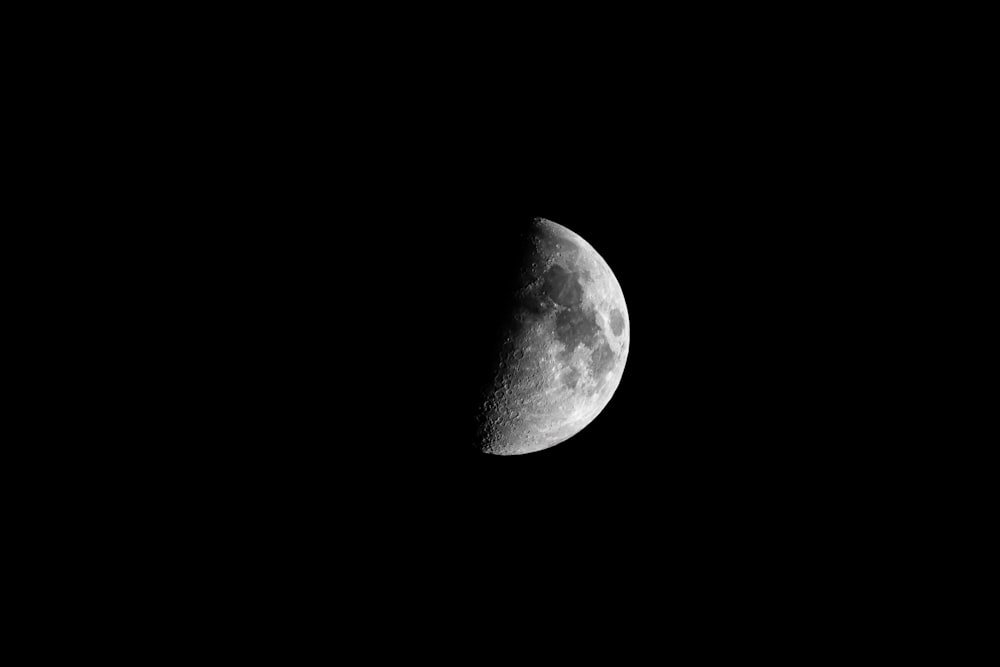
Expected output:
{"points": [[566, 351]]}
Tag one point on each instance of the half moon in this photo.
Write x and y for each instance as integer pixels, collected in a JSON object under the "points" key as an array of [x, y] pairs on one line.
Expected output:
{"points": [[566, 351]]}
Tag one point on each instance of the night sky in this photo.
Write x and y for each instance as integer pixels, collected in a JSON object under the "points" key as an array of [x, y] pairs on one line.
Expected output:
{"points": [[376, 276]]}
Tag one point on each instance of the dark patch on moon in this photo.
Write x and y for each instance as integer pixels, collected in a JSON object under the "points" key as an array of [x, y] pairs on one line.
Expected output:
{"points": [[575, 326], [602, 359], [617, 322], [563, 286]]}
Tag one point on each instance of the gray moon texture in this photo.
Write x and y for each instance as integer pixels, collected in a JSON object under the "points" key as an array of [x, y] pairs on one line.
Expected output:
{"points": [[566, 349]]}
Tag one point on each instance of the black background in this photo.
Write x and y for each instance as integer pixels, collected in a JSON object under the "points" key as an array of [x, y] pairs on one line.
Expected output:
{"points": [[737, 457], [334, 204], [366, 224], [726, 229], [377, 248]]}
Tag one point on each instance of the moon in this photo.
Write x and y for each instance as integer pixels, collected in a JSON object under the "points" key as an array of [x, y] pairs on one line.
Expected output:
{"points": [[566, 349]]}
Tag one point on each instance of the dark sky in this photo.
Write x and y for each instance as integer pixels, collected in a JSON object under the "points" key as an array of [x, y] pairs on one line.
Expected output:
{"points": [[356, 214], [379, 251], [731, 389]]}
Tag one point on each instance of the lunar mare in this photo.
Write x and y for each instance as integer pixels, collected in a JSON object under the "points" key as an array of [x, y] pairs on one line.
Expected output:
{"points": [[567, 347]]}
